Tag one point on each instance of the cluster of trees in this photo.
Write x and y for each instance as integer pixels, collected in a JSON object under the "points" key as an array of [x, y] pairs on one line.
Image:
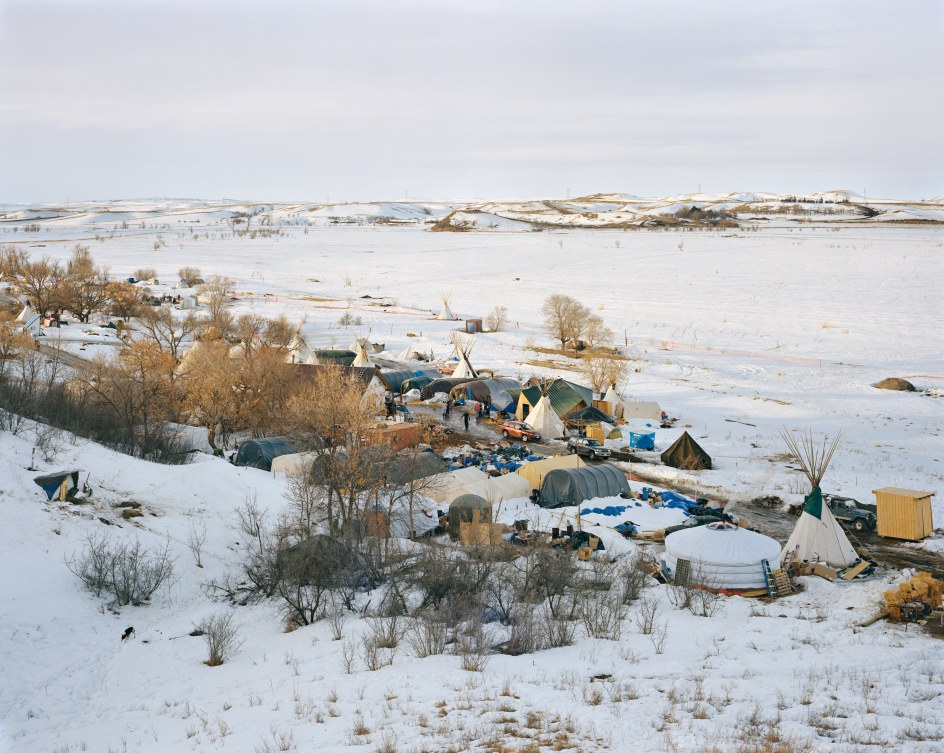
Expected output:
{"points": [[571, 323]]}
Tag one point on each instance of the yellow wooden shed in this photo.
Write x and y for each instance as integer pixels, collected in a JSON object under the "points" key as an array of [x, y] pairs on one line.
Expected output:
{"points": [[903, 513]]}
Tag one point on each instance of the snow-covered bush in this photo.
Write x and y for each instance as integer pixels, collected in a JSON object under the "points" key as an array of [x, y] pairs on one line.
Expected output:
{"points": [[127, 573]]}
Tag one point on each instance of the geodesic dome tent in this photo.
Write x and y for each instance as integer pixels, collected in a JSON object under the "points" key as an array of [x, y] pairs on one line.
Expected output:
{"points": [[720, 555]]}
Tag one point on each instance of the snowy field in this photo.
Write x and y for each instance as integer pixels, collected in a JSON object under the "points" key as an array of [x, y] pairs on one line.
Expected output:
{"points": [[737, 334]]}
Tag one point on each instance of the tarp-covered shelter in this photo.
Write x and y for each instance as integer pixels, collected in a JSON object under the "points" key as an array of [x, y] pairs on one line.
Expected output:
{"points": [[566, 397], [720, 556], [642, 440], [572, 486], [818, 537], [259, 453], [60, 484], [461, 510], [323, 357], [588, 415], [441, 385], [687, 454], [501, 393], [447, 486], [395, 379], [535, 471], [500, 488]]}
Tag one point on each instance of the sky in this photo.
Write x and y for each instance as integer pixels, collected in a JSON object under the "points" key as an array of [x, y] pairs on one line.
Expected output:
{"points": [[366, 99]]}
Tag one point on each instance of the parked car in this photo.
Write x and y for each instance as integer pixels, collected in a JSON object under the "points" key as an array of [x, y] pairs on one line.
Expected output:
{"points": [[846, 510], [587, 448], [519, 430]]}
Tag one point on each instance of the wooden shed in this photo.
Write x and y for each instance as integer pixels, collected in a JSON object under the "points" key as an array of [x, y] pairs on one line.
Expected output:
{"points": [[473, 325], [396, 435], [903, 513]]}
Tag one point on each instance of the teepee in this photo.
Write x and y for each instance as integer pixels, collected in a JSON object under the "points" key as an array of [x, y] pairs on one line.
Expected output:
{"points": [[463, 347], [446, 312], [362, 361], [26, 314], [818, 537], [615, 401], [544, 419], [298, 350]]}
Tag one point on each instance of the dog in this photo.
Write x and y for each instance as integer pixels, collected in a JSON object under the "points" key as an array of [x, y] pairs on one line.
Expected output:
{"points": [[129, 632]]}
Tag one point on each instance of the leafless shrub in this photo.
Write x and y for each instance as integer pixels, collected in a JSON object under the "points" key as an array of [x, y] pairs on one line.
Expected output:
{"points": [[473, 648], [635, 576], [350, 320], [527, 634], [145, 273], [428, 636], [196, 538], [373, 655], [336, 619], [129, 573], [387, 631], [646, 612], [602, 613], [658, 635], [497, 319], [221, 634], [279, 741]]}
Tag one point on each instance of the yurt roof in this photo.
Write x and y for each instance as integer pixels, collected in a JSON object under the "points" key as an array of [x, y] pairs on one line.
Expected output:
{"points": [[722, 544]]}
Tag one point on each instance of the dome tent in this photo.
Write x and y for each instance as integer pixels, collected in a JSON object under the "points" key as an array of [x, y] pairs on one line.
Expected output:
{"points": [[461, 510], [720, 555], [259, 453], [571, 486]]}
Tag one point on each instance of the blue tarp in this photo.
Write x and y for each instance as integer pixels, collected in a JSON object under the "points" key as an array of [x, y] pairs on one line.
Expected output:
{"points": [[677, 501], [642, 441]]}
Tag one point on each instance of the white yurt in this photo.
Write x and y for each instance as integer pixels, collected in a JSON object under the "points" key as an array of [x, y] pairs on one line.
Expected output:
{"points": [[721, 555]]}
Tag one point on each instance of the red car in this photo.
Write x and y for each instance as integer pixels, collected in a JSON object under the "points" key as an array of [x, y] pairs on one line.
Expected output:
{"points": [[519, 430]]}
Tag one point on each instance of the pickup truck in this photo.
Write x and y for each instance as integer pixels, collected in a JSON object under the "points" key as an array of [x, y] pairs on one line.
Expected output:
{"points": [[587, 448], [846, 510]]}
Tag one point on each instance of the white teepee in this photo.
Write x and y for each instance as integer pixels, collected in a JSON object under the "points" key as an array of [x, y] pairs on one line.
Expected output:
{"points": [[407, 354], [446, 312], [298, 350], [818, 537], [463, 347], [362, 361], [615, 401], [26, 315], [187, 361], [544, 420]]}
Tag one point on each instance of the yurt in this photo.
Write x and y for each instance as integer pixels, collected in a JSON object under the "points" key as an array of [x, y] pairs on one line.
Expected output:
{"points": [[544, 420], [720, 555], [461, 511]]}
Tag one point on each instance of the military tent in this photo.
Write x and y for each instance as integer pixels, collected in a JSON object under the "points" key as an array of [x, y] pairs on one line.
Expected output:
{"points": [[686, 454], [639, 409], [572, 486], [259, 453]]}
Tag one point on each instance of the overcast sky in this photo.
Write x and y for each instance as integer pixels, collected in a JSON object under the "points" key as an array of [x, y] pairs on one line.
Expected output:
{"points": [[372, 99]]}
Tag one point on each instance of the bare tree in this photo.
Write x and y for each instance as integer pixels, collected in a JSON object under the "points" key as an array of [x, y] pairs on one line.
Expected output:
{"points": [[596, 332], [42, 282], [125, 300], [211, 399], [214, 294], [497, 319], [221, 634], [167, 331], [565, 318], [85, 286], [189, 276]]}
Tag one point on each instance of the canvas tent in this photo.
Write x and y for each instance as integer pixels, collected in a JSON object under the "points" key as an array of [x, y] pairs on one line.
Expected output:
{"points": [[571, 486], [298, 350], [498, 489], [686, 454], [614, 400], [545, 421], [59, 485], [535, 471], [447, 486], [259, 453], [445, 313], [818, 537], [26, 314], [720, 555], [293, 464], [639, 409], [362, 361]]}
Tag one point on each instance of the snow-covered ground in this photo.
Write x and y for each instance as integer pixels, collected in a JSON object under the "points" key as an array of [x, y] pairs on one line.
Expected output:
{"points": [[737, 334]]}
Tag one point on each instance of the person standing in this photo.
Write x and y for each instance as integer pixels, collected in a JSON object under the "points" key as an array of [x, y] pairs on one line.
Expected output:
{"points": [[465, 420]]}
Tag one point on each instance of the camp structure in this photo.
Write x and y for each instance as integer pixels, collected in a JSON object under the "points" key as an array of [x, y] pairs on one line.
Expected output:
{"points": [[60, 484], [572, 486], [368, 378], [409, 353], [591, 415], [720, 556], [535, 471], [501, 393], [462, 509], [445, 313], [817, 537], [639, 409], [565, 397], [190, 356], [295, 464], [687, 455], [441, 386], [614, 400], [445, 487], [259, 453], [544, 420], [298, 350], [362, 361], [464, 347], [26, 314], [364, 342], [498, 489], [327, 357], [903, 513]]}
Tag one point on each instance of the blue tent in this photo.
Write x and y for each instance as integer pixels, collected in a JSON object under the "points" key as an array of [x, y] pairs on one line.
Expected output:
{"points": [[59, 484], [642, 441]]}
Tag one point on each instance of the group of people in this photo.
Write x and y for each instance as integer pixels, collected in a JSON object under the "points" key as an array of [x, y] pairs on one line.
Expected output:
{"points": [[481, 410]]}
